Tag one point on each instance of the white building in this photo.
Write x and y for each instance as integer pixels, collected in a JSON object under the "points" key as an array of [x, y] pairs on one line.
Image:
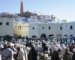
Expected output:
{"points": [[6, 26], [31, 28]]}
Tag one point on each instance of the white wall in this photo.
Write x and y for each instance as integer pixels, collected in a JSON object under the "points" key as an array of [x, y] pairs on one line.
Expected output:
{"points": [[67, 30], [34, 31], [38, 31], [55, 29], [4, 29], [38, 28]]}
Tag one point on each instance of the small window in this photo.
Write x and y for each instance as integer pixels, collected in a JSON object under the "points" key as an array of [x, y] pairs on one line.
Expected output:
{"points": [[71, 27], [49, 27], [33, 28], [7, 23], [20, 27], [0, 23], [61, 28], [42, 27]]}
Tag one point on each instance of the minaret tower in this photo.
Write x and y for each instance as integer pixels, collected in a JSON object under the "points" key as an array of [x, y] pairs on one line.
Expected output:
{"points": [[21, 8]]}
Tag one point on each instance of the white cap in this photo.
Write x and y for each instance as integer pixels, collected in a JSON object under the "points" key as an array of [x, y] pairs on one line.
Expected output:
{"points": [[5, 43], [73, 49], [17, 45], [1, 46], [10, 44]]}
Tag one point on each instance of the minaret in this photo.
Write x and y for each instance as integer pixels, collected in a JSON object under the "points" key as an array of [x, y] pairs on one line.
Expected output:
{"points": [[21, 8]]}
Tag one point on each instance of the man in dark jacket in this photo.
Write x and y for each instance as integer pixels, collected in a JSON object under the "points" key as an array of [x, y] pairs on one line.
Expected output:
{"points": [[32, 54]]}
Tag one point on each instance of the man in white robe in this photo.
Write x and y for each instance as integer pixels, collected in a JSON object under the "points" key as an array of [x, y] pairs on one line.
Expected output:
{"points": [[7, 54]]}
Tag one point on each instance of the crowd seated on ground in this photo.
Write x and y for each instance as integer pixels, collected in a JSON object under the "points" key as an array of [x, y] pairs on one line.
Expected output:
{"points": [[23, 49]]}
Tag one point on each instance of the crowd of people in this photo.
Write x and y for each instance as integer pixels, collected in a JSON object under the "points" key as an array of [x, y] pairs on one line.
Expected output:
{"points": [[36, 50]]}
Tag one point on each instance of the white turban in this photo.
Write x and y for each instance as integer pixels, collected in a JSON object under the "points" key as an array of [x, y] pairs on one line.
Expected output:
{"points": [[73, 49]]}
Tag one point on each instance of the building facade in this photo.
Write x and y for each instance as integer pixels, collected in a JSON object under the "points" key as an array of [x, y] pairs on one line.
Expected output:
{"points": [[27, 27], [6, 26], [38, 29]]}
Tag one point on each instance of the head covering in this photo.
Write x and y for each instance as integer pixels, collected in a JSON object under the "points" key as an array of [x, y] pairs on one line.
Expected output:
{"points": [[5, 43], [17, 45], [1, 46], [72, 41], [10, 44], [63, 46], [28, 49], [73, 49]]}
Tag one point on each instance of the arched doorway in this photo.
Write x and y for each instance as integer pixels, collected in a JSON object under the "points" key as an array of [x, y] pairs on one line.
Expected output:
{"points": [[43, 36], [34, 36], [51, 37]]}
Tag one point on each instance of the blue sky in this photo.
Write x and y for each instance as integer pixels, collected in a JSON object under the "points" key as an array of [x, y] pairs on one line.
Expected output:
{"points": [[62, 9]]}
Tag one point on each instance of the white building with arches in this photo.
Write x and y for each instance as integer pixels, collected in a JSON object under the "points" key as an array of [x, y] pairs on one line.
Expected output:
{"points": [[33, 28], [24, 27]]}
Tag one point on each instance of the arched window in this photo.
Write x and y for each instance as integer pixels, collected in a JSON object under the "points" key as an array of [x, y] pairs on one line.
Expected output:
{"points": [[20, 27], [42, 27], [7, 23], [71, 27], [33, 28], [43, 36], [34, 36], [49, 27], [0, 23], [60, 27]]}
